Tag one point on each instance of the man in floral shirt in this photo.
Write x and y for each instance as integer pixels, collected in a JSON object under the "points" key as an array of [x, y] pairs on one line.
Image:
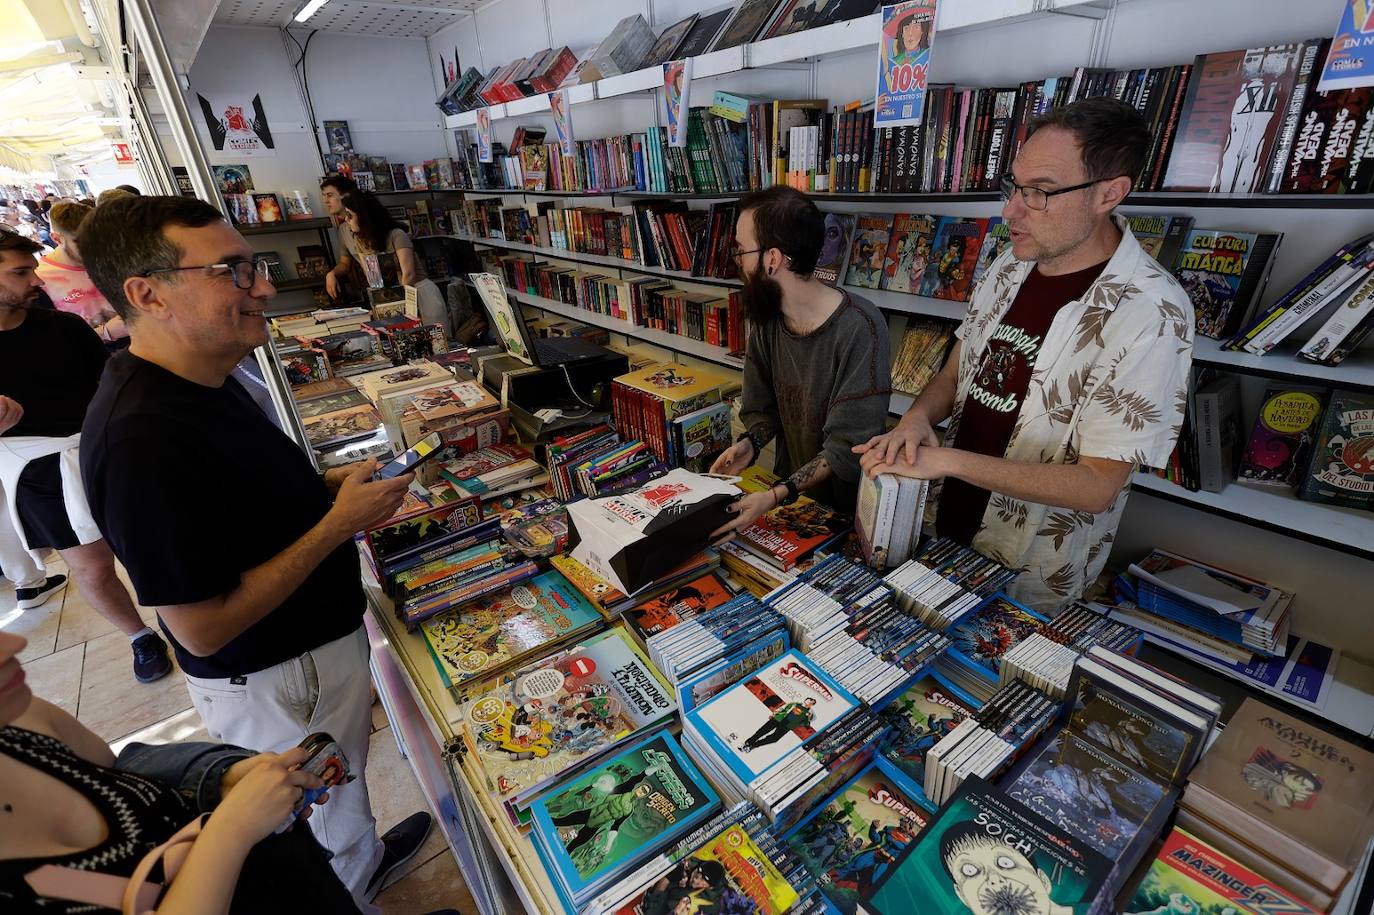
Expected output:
{"points": [[1069, 371]]}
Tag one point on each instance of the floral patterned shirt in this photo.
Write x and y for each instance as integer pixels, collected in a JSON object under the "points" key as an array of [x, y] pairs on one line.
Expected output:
{"points": [[1110, 381]]}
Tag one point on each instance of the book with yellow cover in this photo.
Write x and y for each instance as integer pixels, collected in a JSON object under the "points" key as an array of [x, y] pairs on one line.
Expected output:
{"points": [[682, 388]]}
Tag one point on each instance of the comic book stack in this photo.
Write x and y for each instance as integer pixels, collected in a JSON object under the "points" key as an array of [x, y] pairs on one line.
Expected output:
{"points": [[440, 557], [1045, 659], [610, 601], [789, 534], [677, 605], [888, 517], [484, 635], [705, 655], [591, 830], [644, 403], [752, 737], [1189, 868], [523, 734], [1248, 614], [947, 580], [989, 740], [758, 577], [1110, 776], [596, 462], [1288, 800], [489, 473], [735, 859], [981, 640], [847, 621]]}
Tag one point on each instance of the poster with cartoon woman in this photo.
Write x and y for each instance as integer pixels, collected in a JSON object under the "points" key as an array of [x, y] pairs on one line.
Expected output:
{"points": [[903, 57], [677, 81], [483, 135], [561, 107]]}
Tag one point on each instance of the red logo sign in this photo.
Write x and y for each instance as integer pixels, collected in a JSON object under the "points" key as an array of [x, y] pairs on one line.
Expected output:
{"points": [[123, 155], [582, 667]]}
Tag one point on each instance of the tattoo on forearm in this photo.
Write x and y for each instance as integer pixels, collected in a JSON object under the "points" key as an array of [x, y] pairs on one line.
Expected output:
{"points": [[811, 472]]}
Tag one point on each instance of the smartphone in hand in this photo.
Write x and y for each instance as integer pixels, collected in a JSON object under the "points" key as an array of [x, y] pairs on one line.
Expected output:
{"points": [[413, 457], [326, 760]]}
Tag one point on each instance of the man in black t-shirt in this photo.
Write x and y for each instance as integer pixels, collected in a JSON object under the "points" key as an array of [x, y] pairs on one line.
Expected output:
{"points": [[225, 527], [50, 363]]}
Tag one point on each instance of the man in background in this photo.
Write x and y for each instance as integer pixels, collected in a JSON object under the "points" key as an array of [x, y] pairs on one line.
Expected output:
{"points": [[817, 376], [226, 529], [50, 365]]}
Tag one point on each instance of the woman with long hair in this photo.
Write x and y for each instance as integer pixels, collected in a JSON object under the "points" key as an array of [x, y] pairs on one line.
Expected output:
{"points": [[376, 232]]}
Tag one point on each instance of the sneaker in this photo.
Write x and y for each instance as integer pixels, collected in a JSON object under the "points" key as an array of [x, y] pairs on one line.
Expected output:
{"points": [[28, 598], [150, 658], [401, 844]]}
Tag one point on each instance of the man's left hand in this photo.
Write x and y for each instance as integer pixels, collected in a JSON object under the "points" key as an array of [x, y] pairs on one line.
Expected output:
{"points": [[747, 509]]}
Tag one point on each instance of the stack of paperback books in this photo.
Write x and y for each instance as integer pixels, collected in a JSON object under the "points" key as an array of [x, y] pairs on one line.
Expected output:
{"points": [[989, 740], [442, 557], [847, 621], [733, 863], [888, 517], [524, 735], [986, 849], [1244, 612], [610, 601], [1109, 777], [1046, 658], [760, 578], [982, 638], [597, 462], [677, 605], [484, 636], [947, 580], [752, 736], [489, 473], [703, 656], [590, 831], [1286, 799]]}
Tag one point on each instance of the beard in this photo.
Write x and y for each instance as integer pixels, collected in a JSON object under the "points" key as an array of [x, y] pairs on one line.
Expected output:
{"points": [[762, 296], [12, 301]]}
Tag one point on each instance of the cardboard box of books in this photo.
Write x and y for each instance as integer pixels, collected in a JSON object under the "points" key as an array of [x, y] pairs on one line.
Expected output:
{"points": [[633, 538]]}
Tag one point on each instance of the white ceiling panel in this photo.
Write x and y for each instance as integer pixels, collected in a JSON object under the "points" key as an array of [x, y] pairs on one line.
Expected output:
{"points": [[399, 19]]}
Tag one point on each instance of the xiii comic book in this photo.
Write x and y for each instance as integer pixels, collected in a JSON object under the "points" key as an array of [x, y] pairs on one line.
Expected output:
{"points": [[929, 709], [621, 811], [534, 723], [984, 853], [849, 842]]}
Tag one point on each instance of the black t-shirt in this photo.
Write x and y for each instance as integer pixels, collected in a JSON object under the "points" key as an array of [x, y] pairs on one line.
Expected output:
{"points": [[999, 386], [50, 364], [193, 486]]}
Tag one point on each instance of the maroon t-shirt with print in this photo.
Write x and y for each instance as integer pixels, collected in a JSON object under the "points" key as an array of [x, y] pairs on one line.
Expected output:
{"points": [[999, 386]]}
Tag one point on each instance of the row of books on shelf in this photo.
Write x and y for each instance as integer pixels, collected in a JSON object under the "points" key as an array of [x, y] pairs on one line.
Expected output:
{"points": [[1203, 137], [714, 318], [378, 175], [632, 45], [1309, 441]]}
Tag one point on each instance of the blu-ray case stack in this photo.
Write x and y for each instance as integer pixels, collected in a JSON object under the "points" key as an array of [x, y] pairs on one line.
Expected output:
{"points": [[946, 581], [990, 740], [707, 654]]}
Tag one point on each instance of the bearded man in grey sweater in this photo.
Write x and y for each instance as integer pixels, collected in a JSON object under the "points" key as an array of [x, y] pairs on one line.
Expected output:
{"points": [[816, 374]]}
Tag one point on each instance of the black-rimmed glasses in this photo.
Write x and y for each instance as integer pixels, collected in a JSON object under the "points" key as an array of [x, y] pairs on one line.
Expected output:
{"points": [[736, 253], [1037, 198], [245, 273]]}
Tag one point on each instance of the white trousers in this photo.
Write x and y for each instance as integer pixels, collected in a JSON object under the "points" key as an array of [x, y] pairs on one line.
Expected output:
{"points": [[326, 689]]}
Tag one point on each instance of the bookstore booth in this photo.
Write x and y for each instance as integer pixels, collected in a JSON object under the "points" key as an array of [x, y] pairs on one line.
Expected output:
{"points": [[509, 241]]}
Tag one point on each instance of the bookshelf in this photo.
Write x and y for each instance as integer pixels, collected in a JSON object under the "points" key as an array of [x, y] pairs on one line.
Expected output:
{"points": [[600, 260]]}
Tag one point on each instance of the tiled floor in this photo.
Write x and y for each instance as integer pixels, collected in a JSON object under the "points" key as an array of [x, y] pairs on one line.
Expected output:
{"points": [[76, 660]]}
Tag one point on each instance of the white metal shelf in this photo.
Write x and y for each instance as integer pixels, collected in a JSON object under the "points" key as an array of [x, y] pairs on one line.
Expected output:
{"points": [[909, 304], [604, 260], [1284, 362], [676, 342], [839, 38], [1345, 529]]}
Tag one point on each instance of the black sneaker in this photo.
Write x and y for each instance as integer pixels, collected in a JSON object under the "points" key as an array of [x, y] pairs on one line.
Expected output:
{"points": [[401, 843], [28, 598], [150, 658]]}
